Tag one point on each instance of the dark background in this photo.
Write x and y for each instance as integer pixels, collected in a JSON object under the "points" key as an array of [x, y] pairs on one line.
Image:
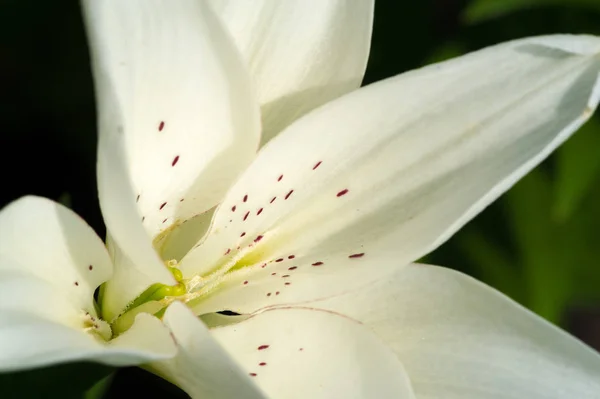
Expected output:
{"points": [[538, 243]]}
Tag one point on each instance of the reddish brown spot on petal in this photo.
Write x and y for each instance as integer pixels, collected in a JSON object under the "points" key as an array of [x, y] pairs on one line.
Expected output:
{"points": [[243, 234], [233, 208], [245, 282], [262, 347], [343, 192], [259, 211], [285, 276], [76, 284], [273, 200], [246, 215], [268, 294], [263, 265], [288, 194], [258, 238], [181, 200], [353, 256], [293, 268], [288, 283], [277, 293], [137, 199], [90, 267], [280, 177], [252, 374], [161, 126], [301, 349], [279, 260], [262, 364], [245, 198], [228, 251], [316, 165], [175, 160], [164, 220], [317, 263], [162, 206], [273, 274], [291, 256]]}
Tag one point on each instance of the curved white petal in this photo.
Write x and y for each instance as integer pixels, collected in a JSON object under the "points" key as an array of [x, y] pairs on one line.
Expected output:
{"points": [[291, 353], [40, 326], [301, 53], [177, 118], [201, 368], [126, 283], [293, 279], [44, 239], [397, 167], [308, 353], [458, 338]]}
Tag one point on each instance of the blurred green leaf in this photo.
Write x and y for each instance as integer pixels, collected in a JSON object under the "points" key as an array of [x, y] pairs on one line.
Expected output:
{"points": [[100, 388], [62, 381], [492, 263], [542, 256], [482, 10], [578, 166], [446, 52]]}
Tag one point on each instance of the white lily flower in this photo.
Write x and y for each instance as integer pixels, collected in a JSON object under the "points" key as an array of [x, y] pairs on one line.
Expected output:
{"points": [[312, 238]]}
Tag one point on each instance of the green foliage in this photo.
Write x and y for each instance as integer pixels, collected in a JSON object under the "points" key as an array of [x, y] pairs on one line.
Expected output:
{"points": [[482, 10], [62, 381]]}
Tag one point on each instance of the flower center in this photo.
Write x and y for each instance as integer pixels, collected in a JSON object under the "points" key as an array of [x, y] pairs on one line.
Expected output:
{"points": [[96, 327], [156, 298]]}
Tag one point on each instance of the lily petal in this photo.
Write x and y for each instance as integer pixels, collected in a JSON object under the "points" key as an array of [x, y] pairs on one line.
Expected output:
{"points": [[292, 280], [395, 168], [177, 118], [44, 239], [459, 338], [51, 262], [202, 367], [308, 353], [291, 353], [40, 326], [301, 54]]}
